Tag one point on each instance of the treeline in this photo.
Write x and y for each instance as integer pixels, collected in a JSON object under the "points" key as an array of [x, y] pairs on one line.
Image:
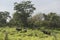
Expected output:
{"points": [[22, 17]]}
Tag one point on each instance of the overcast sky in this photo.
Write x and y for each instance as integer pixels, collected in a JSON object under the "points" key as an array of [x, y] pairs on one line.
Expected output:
{"points": [[44, 6]]}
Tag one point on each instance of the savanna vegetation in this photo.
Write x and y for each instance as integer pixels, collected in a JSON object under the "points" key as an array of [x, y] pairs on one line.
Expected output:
{"points": [[26, 26]]}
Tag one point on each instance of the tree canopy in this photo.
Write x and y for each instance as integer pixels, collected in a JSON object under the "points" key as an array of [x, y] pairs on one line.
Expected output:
{"points": [[23, 12]]}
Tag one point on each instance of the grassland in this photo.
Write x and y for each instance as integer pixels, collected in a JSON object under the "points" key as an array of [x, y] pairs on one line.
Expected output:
{"points": [[13, 34]]}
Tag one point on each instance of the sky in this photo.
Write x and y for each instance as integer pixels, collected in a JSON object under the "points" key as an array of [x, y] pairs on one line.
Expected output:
{"points": [[42, 6]]}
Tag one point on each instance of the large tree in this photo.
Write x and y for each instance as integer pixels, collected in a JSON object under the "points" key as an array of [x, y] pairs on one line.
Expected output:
{"points": [[23, 12]]}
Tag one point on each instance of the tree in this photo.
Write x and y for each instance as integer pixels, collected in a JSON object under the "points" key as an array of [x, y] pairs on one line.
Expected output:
{"points": [[23, 12], [38, 17], [36, 20], [3, 18], [52, 20]]}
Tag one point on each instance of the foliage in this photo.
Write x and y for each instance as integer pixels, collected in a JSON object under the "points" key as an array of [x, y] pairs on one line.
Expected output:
{"points": [[52, 20], [29, 35], [23, 12], [3, 18]]}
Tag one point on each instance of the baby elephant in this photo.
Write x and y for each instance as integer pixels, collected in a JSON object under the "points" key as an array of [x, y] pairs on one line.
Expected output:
{"points": [[46, 32], [18, 29]]}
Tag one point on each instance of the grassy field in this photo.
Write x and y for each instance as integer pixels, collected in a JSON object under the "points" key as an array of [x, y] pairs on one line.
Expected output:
{"points": [[13, 34]]}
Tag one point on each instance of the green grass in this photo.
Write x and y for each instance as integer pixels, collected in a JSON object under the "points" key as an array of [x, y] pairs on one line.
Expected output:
{"points": [[29, 35]]}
